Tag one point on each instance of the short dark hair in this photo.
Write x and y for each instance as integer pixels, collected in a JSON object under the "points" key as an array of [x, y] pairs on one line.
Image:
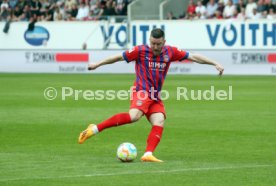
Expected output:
{"points": [[157, 33]]}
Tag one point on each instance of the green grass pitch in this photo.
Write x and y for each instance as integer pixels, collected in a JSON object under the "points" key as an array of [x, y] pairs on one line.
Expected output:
{"points": [[204, 142]]}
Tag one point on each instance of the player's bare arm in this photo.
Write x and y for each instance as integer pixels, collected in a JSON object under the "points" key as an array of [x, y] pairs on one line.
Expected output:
{"points": [[204, 60], [106, 61]]}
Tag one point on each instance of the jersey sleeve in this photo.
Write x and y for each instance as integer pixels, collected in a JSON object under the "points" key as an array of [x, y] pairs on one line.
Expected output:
{"points": [[179, 55], [131, 54]]}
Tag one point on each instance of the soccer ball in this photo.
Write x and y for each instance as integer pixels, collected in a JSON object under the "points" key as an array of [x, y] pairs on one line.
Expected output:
{"points": [[126, 152]]}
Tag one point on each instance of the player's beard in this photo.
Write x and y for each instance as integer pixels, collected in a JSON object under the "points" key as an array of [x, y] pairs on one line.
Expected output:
{"points": [[156, 52]]}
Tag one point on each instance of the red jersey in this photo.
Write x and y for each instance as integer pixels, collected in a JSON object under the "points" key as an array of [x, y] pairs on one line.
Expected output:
{"points": [[151, 70], [191, 9]]}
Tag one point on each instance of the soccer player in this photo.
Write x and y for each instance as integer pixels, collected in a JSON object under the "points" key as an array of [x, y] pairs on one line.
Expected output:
{"points": [[151, 67]]}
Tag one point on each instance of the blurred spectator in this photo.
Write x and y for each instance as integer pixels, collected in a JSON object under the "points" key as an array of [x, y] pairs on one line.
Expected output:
{"points": [[83, 11], [44, 8], [121, 7], [26, 15], [96, 9], [170, 16], [191, 8], [197, 16], [235, 14], [73, 13], [260, 6], [240, 5], [271, 14], [255, 15], [45, 17], [4, 14], [35, 6], [200, 10], [93, 2], [5, 11], [108, 9], [87, 3], [90, 16], [264, 14], [225, 2], [204, 2], [60, 3], [52, 2], [17, 13], [21, 4], [251, 5], [242, 14], [5, 4], [190, 16], [211, 8], [268, 5], [59, 13], [229, 10], [68, 8], [220, 6], [69, 4], [52, 7], [218, 15], [12, 3], [69, 17]]}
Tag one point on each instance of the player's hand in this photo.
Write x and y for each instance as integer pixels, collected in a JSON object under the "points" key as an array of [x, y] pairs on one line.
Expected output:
{"points": [[93, 66], [220, 69]]}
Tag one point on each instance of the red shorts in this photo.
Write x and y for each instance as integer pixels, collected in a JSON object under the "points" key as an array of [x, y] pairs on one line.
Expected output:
{"points": [[146, 105]]}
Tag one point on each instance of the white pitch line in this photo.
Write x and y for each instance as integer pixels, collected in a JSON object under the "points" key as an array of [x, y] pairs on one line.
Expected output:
{"points": [[144, 172]]}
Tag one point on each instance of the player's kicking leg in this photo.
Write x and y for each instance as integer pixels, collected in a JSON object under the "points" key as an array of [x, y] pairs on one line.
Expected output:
{"points": [[157, 121], [116, 120]]}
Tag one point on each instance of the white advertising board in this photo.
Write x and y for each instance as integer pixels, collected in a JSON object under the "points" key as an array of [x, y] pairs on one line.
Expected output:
{"points": [[63, 35], [190, 35], [44, 61], [210, 35], [63, 61]]}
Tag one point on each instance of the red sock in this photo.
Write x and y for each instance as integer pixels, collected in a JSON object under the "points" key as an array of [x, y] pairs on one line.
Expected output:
{"points": [[116, 120], [154, 138]]}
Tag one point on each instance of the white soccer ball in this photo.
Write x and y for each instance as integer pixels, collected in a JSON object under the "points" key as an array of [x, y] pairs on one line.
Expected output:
{"points": [[126, 152]]}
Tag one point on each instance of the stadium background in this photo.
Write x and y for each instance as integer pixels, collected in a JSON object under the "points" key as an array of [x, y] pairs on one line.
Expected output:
{"points": [[50, 43]]}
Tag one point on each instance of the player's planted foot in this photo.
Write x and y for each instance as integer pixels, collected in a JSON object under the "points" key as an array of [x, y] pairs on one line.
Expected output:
{"points": [[150, 158], [87, 133]]}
